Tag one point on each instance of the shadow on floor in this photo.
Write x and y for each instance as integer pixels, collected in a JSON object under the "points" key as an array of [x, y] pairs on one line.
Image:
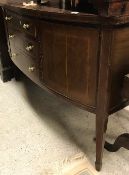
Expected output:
{"points": [[62, 116], [51, 109]]}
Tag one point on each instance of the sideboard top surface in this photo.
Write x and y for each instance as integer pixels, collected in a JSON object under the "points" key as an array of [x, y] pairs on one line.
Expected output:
{"points": [[55, 12]]}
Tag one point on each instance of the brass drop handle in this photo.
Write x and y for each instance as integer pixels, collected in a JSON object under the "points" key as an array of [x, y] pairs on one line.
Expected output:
{"points": [[26, 26], [31, 69], [8, 18], [11, 36], [13, 55], [29, 48]]}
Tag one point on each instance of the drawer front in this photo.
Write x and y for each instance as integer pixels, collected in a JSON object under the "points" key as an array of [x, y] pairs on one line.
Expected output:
{"points": [[12, 20], [24, 24], [30, 47], [28, 26], [22, 43], [28, 65]]}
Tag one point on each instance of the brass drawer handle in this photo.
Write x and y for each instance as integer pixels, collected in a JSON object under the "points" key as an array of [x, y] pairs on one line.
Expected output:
{"points": [[31, 69], [26, 26], [8, 18], [13, 55], [29, 48], [11, 36]]}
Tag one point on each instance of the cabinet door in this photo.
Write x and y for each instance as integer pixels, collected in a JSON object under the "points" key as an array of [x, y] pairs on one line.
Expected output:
{"points": [[54, 56], [82, 49], [70, 61]]}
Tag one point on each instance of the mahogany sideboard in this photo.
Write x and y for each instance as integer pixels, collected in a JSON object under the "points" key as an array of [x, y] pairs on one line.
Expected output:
{"points": [[78, 52]]}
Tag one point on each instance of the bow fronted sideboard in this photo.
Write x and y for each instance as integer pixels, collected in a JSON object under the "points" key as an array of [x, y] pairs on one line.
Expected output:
{"points": [[78, 51]]}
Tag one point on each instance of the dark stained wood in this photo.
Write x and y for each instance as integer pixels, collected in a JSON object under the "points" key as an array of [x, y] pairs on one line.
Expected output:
{"points": [[82, 50], [63, 15], [65, 51], [12, 20], [24, 51], [82, 57], [54, 56], [24, 63], [26, 45], [111, 7], [103, 95], [121, 141]]}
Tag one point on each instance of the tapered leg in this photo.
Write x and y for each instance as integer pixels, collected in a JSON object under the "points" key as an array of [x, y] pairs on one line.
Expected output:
{"points": [[101, 127], [103, 93]]}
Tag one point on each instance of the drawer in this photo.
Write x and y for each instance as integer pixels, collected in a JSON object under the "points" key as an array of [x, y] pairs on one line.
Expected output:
{"points": [[29, 26], [28, 65], [24, 24], [28, 46], [22, 43], [12, 20]]}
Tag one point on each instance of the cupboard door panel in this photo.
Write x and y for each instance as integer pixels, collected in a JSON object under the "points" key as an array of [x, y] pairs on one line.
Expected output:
{"points": [[82, 47], [70, 61], [54, 57]]}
